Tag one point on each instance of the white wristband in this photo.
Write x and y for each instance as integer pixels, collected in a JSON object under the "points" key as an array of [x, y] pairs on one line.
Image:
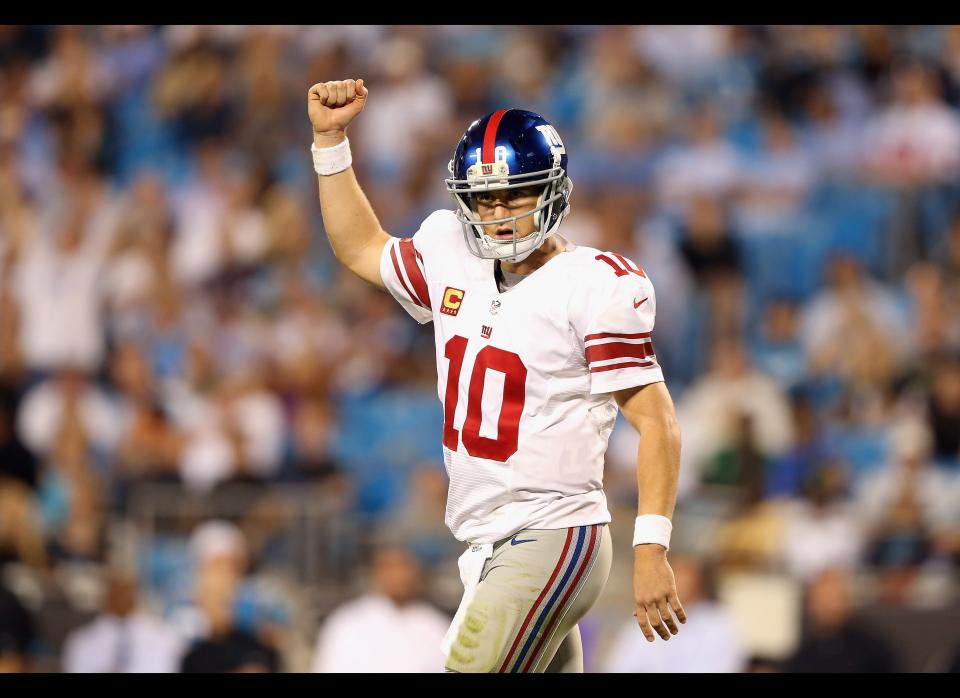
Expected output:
{"points": [[652, 528], [329, 161]]}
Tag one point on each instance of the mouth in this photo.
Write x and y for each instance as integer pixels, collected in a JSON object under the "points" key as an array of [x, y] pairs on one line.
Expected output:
{"points": [[504, 234]]}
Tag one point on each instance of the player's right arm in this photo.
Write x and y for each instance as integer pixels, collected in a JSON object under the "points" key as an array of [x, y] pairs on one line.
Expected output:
{"points": [[355, 234]]}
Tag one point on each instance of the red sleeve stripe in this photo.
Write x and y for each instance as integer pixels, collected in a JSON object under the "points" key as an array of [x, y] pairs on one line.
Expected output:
{"points": [[618, 350], [396, 267], [625, 364], [408, 254], [605, 335]]}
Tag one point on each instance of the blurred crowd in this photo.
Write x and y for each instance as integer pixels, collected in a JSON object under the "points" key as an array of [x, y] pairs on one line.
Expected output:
{"points": [[193, 392]]}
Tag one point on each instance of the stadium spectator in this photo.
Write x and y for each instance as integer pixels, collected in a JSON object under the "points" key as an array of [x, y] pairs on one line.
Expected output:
{"points": [[788, 474], [906, 508], [854, 329], [685, 54], [219, 226], [222, 643], [123, 638], [714, 261], [822, 531], [949, 257], [706, 164], [707, 245], [777, 180], [192, 90], [526, 72], [915, 140], [835, 138], [833, 641], [17, 633], [913, 147], [69, 398], [709, 642], [936, 315], [712, 410], [640, 105], [58, 289], [150, 448], [414, 104], [909, 486], [21, 533], [778, 351], [72, 495], [751, 537], [149, 444], [944, 411], [139, 261], [11, 358], [236, 435], [17, 463], [311, 445], [418, 521], [388, 629]]}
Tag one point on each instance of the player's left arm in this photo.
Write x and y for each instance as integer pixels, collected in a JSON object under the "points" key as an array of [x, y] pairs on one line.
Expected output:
{"points": [[614, 312], [650, 410]]}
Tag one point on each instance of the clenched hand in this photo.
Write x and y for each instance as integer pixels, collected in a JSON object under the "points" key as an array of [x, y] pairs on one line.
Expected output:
{"points": [[332, 106]]}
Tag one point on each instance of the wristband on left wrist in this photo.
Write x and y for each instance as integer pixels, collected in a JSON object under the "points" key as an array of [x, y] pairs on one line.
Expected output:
{"points": [[652, 528]]}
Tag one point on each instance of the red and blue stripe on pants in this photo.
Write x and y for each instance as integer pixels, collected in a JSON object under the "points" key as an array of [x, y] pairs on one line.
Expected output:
{"points": [[555, 599]]}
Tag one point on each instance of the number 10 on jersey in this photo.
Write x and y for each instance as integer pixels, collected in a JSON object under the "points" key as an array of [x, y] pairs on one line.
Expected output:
{"points": [[514, 396]]}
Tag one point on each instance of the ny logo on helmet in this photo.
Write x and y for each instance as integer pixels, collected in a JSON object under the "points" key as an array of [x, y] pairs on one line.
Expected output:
{"points": [[553, 140], [552, 137]]}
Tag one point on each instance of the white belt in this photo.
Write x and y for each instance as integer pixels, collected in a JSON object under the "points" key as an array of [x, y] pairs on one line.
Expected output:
{"points": [[471, 567]]}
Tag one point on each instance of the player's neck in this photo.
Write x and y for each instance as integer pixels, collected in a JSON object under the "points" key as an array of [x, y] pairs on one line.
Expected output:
{"points": [[550, 248]]}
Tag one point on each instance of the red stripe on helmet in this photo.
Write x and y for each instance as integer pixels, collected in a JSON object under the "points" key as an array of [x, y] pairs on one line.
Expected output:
{"points": [[490, 135]]}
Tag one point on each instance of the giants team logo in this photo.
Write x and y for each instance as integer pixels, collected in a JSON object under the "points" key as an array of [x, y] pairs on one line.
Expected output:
{"points": [[452, 298], [486, 169], [485, 331]]}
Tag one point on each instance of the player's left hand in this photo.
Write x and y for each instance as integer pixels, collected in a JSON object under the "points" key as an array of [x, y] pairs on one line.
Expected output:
{"points": [[655, 592]]}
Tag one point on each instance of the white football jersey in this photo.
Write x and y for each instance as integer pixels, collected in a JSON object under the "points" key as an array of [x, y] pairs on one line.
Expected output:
{"points": [[525, 376]]}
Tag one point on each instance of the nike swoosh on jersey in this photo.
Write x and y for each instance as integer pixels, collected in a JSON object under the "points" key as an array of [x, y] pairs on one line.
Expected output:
{"points": [[637, 305], [514, 541]]}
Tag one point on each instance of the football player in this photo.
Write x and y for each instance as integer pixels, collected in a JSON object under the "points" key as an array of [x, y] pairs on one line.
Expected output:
{"points": [[538, 341]]}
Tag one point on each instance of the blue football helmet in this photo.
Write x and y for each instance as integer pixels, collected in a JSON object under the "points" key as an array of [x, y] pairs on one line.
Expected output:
{"points": [[509, 149]]}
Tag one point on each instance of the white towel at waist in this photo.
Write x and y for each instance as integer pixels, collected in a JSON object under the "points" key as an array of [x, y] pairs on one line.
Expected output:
{"points": [[471, 567]]}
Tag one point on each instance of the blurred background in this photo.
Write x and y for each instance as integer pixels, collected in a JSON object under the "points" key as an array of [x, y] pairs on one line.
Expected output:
{"points": [[220, 451]]}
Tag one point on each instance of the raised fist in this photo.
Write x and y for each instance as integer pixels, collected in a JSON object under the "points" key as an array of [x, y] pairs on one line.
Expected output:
{"points": [[333, 105]]}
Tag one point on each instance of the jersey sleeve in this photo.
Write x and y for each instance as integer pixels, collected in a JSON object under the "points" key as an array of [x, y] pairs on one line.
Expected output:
{"points": [[403, 271], [614, 319]]}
